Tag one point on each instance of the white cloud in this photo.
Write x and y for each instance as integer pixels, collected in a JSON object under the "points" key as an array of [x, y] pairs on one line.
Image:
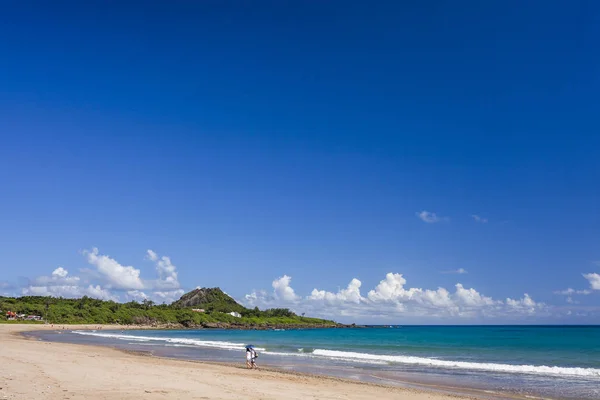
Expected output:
{"points": [[60, 272], [459, 271], [116, 281], [259, 298], [571, 301], [430, 217], [479, 219], [167, 296], [70, 291], [439, 299], [136, 295], [117, 275], [524, 305], [571, 291], [566, 292], [392, 299], [350, 294], [59, 277], [67, 291], [594, 280], [98, 292], [167, 272], [152, 255], [392, 287], [283, 290], [283, 294], [471, 298]]}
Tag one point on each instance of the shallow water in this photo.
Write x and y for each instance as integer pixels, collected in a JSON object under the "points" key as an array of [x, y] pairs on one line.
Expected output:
{"points": [[555, 362]]}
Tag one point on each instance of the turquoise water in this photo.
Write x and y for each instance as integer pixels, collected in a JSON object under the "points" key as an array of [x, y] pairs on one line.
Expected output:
{"points": [[553, 361]]}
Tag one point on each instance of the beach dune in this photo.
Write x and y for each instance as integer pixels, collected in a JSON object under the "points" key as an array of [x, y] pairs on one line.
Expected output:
{"points": [[33, 369]]}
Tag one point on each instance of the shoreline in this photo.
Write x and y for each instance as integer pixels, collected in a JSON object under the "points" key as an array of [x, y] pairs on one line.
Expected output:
{"points": [[206, 326], [277, 380]]}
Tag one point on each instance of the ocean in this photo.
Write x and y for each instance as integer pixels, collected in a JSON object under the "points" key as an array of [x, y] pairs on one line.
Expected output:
{"points": [[560, 362]]}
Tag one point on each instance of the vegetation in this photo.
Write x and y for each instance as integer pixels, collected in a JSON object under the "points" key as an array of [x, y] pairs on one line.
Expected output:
{"points": [[211, 300], [91, 311]]}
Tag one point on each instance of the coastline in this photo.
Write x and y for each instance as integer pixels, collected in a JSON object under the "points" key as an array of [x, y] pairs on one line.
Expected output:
{"points": [[38, 369], [204, 326]]}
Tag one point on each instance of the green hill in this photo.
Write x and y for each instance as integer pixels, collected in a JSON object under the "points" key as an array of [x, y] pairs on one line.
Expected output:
{"points": [[216, 305], [209, 299]]}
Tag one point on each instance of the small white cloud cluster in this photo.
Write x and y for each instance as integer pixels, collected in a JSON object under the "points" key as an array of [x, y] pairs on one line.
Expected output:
{"points": [[525, 305], [60, 284], [430, 217], [167, 272], [391, 298], [115, 274], [571, 291], [59, 277], [110, 280], [459, 271], [479, 219], [594, 280], [282, 292], [136, 295]]}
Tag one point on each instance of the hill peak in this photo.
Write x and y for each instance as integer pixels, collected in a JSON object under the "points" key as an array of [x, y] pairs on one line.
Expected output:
{"points": [[210, 299]]}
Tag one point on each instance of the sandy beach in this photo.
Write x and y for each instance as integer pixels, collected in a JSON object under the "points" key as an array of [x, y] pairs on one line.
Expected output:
{"points": [[32, 369]]}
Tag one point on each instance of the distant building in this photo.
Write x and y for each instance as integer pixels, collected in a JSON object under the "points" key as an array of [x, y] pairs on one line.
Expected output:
{"points": [[198, 309], [235, 314]]}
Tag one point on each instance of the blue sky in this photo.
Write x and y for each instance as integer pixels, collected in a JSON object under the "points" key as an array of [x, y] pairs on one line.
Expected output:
{"points": [[252, 141]]}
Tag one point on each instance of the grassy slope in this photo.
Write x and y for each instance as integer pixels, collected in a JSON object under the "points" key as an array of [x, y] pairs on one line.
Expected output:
{"points": [[92, 311]]}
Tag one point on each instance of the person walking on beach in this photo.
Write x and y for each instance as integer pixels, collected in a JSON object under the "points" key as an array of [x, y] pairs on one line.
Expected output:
{"points": [[251, 357], [248, 358]]}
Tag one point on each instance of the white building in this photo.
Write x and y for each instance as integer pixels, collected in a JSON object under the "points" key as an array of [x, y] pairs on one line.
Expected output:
{"points": [[235, 314]]}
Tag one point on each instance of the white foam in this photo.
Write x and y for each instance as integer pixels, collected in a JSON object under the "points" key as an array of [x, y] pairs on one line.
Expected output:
{"points": [[184, 341], [311, 355], [491, 367]]}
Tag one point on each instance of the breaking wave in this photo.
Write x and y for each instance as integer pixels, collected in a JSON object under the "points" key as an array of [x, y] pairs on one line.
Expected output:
{"points": [[473, 366], [183, 341]]}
